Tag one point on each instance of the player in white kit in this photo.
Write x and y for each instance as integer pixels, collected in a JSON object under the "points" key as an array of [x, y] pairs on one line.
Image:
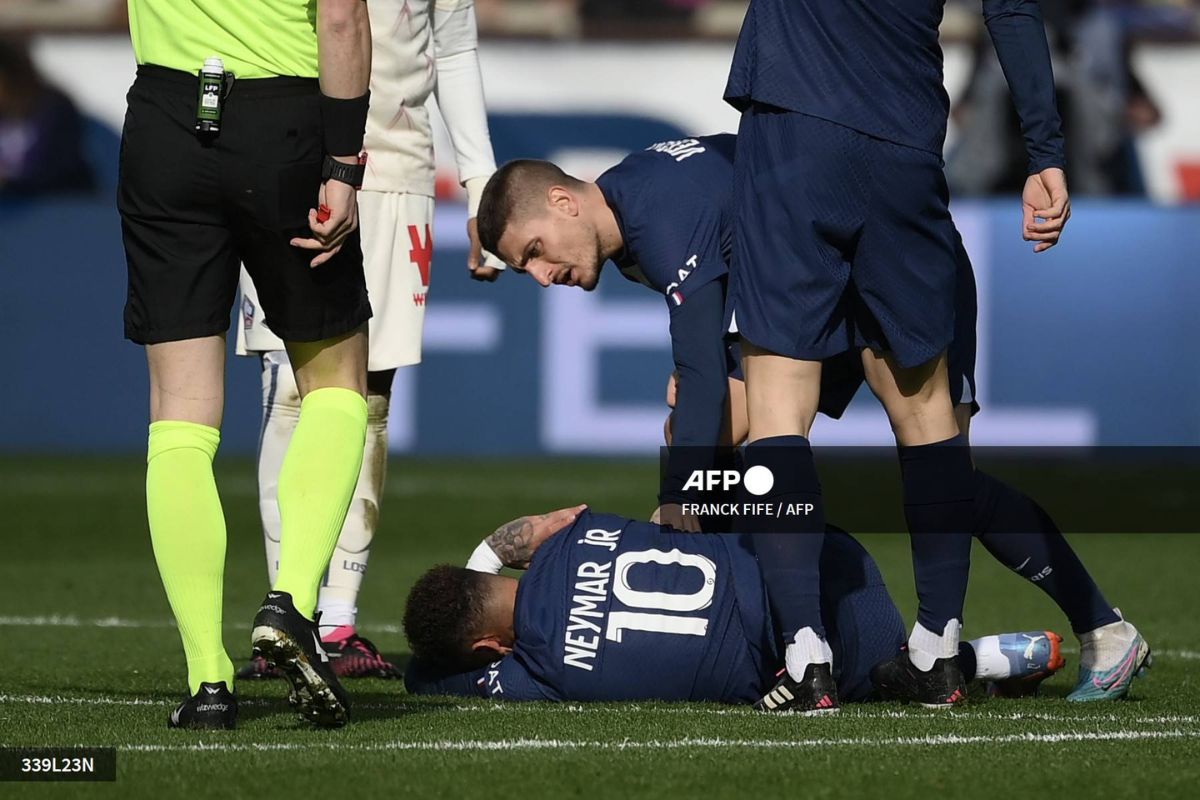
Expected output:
{"points": [[421, 47]]}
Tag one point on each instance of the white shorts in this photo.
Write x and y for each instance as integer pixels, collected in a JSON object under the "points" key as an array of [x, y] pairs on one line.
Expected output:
{"points": [[397, 242]]}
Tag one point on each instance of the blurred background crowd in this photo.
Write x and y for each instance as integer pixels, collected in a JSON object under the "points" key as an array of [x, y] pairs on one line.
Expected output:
{"points": [[1105, 103]]}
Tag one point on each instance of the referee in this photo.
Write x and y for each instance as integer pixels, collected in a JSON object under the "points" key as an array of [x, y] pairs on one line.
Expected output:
{"points": [[242, 145]]}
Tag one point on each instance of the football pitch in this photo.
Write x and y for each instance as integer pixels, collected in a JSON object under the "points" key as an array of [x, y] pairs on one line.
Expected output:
{"points": [[91, 658]]}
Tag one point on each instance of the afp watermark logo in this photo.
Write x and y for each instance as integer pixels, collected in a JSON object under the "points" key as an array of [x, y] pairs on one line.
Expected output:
{"points": [[717, 499], [758, 480]]}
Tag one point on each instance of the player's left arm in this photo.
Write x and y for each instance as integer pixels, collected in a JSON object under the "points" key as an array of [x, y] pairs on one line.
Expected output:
{"points": [[1019, 36], [698, 349], [459, 93]]}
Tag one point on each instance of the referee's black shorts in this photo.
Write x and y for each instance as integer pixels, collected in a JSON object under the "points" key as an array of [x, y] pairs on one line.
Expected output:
{"points": [[192, 209]]}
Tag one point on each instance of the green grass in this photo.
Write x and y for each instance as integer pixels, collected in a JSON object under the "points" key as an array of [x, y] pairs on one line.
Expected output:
{"points": [[76, 549]]}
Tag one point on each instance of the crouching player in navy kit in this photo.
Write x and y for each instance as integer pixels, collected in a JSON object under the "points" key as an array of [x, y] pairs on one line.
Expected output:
{"points": [[614, 609], [664, 216]]}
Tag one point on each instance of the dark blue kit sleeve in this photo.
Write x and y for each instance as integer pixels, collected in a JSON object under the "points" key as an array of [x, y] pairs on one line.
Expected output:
{"points": [[698, 348], [421, 678], [1019, 36], [506, 679]]}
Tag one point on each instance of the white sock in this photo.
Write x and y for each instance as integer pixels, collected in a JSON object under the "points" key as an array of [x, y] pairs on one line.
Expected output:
{"points": [[338, 599], [281, 412], [806, 648], [926, 647], [990, 663], [1103, 648]]}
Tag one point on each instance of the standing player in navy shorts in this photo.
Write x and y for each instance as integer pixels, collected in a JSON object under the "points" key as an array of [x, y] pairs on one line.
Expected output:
{"points": [[669, 205], [843, 240]]}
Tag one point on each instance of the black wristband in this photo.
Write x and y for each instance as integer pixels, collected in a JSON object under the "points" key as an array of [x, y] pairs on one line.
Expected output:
{"points": [[344, 123]]}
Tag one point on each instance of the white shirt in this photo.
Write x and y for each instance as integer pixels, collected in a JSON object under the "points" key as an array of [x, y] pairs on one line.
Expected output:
{"points": [[424, 47]]}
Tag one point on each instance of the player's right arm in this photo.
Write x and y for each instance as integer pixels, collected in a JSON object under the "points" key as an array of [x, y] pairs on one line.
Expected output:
{"points": [[344, 53], [1019, 36], [513, 544]]}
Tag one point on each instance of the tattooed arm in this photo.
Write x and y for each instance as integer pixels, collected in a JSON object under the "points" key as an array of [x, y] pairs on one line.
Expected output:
{"points": [[514, 543]]}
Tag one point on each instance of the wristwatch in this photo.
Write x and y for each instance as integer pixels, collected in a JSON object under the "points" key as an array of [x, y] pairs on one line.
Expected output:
{"points": [[334, 170]]}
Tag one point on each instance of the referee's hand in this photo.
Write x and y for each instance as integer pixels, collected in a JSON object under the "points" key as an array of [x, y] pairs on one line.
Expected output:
{"points": [[342, 201], [1045, 197]]}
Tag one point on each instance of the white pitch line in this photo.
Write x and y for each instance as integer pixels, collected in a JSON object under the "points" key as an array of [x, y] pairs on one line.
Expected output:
{"points": [[670, 744], [862, 712]]}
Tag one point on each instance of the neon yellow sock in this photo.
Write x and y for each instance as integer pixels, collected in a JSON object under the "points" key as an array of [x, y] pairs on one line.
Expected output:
{"points": [[316, 483], [187, 529]]}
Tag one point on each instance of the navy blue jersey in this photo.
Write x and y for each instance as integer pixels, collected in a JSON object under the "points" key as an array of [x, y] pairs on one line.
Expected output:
{"points": [[610, 607], [674, 204], [876, 66], [614, 609]]}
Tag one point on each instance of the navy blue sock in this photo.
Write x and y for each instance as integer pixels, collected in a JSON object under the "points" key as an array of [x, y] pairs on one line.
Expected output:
{"points": [[790, 560], [1022, 536], [938, 506]]}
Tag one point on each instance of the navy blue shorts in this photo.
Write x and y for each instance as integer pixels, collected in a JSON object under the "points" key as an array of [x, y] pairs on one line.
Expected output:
{"points": [[841, 241], [842, 374]]}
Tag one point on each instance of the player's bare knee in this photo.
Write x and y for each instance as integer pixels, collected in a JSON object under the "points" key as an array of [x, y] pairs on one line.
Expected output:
{"points": [[782, 394], [962, 415], [187, 380], [337, 362]]}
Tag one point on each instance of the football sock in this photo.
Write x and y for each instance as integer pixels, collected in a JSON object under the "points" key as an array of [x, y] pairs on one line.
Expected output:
{"points": [[337, 633], [984, 659], [926, 646], [1103, 648], [938, 495], [1023, 537], [187, 530], [806, 648], [339, 592], [316, 483], [790, 560], [281, 412]]}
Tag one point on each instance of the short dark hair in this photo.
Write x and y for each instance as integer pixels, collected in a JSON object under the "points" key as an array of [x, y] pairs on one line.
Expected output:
{"points": [[443, 616], [515, 189]]}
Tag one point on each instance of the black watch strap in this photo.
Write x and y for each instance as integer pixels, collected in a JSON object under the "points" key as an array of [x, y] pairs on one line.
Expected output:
{"points": [[334, 170]]}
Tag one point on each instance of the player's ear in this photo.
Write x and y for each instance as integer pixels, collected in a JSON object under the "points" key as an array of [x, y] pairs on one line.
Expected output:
{"points": [[491, 646], [562, 199]]}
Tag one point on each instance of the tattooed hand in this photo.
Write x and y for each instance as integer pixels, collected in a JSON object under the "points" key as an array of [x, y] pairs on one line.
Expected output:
{"points": [[515, 542]]}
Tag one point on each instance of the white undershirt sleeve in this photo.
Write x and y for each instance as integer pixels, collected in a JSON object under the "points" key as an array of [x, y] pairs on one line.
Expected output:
{"points": [[459, 93], [484, 559]]}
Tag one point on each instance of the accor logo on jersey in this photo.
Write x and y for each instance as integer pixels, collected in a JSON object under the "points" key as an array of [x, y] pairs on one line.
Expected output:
{"points": [[421, 255]]}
